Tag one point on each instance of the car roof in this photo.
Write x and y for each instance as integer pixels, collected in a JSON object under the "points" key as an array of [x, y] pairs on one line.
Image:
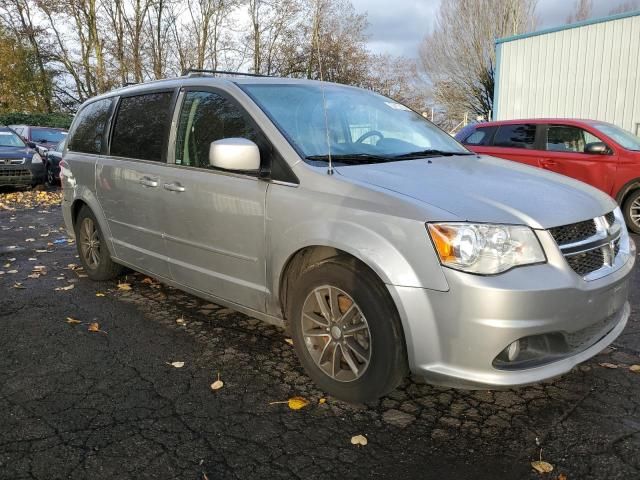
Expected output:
{"points": [[208, 80], [566, 121]]}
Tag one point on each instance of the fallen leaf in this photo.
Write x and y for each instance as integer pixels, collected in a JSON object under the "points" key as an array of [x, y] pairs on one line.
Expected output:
{"points": [[39, 268], [72, 321], [635, 368], [68, 287], [32, 259], [34, 275], [176, 364], [94, 327], [6, 265], [181, 321], [295, 403], [608, 365], [541, 466], [42, 251], [359, 440], [124, 286], [562, 476], [29, 239], [99, 294], [18, 285], [289, 341], [322, 400], [218, 384], [12, 271]]}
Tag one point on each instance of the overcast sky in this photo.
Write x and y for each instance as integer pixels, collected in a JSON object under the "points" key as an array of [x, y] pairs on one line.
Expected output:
{"points": [[398, 26]]}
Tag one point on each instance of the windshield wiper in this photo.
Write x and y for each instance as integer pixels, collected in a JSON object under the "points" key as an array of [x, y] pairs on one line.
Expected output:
{"points": [[430, 153], [351, 158]]}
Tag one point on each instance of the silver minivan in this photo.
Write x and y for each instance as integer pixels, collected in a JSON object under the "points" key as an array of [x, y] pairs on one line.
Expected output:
{"points": [[377, 240]]}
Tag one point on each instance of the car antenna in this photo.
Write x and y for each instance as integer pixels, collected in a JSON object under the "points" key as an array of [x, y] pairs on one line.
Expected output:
{"points": [[324, 100]]}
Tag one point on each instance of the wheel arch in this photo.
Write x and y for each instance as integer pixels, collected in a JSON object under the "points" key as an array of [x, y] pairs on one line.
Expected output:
{"points": [[626, 190], [91, 202]]}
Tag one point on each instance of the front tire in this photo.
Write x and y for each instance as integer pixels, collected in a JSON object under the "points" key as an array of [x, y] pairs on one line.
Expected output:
{"points": [[92, 249], [631, 211], [346, 331]]}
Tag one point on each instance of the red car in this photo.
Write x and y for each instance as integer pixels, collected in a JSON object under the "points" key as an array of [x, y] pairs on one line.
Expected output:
{"points": [[598, 153]]}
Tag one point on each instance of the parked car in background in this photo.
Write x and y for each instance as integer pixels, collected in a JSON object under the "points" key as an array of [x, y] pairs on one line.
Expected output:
{"points": [[20, 165], [52, 163], [379, 241], [598, 153], [40, 138]]}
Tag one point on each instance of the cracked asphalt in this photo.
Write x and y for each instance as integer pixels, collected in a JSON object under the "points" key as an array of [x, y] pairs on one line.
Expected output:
{"points": [[80, 404]]}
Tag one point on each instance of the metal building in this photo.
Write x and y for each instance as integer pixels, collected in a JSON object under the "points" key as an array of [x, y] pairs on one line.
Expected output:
{"points": [[588, 69]]}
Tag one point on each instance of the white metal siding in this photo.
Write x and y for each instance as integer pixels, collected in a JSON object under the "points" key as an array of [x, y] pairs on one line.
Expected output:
{"points": [[592, 71]]}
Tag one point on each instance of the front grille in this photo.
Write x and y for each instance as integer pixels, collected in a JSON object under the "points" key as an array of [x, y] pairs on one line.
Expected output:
{"points": [[11, 161], [15, 172], [586, 245], [587, 262], [574, 232], [610, 217]]}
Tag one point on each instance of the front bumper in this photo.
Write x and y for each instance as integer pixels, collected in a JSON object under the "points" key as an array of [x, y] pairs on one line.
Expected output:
{"points": [[454, 337], [21, 175]]}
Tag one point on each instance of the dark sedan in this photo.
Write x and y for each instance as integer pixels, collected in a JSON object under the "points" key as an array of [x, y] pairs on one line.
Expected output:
{"points": [[20, 165]]}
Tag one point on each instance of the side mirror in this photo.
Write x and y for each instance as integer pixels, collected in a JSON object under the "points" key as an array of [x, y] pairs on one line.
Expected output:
{"points": [[596, 148], [235, 154]]}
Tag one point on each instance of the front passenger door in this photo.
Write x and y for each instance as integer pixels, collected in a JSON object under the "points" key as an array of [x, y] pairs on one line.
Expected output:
{"points": [[566, 154], [214, 227]]}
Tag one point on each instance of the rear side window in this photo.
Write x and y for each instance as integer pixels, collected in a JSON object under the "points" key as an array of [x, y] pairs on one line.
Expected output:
{"points": [[141, 126], [516, 136], [88, 135]]}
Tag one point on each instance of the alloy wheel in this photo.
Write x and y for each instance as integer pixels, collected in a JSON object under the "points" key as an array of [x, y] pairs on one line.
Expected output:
{"points": [[634, 212], [90, 243], [336, 333]]}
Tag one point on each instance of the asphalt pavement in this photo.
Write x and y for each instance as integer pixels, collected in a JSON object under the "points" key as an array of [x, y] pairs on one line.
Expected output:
{"points": [[88, 390]]}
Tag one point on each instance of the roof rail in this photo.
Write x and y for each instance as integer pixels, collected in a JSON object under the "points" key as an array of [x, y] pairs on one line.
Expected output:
{"points": [[128, 84], [192, 72]]}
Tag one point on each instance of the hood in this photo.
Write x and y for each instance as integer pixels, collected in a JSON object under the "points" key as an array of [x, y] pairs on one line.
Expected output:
{"points": [[15, 152], [487, 189]]}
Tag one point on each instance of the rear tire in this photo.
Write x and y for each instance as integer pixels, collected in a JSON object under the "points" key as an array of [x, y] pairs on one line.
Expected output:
{"points": [[631, 209], [92, 248], [346, 331]]}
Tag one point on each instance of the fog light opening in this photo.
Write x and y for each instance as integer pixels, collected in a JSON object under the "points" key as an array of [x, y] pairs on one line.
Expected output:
{"points": [[513, 351]]}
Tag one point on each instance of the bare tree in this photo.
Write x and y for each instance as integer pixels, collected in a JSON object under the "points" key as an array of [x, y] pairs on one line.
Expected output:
{"points": [[583, 10], [458, 56], [628, 6]]}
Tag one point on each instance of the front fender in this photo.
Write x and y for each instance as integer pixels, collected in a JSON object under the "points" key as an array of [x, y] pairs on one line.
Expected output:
{"points": [[397, 250]]}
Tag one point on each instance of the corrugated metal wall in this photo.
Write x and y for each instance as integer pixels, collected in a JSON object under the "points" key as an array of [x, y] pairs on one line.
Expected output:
{"points": [[591, 71]]}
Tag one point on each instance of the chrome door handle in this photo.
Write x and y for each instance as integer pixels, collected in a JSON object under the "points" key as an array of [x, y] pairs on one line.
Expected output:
{"points": [[148, 182], [174, 187]]}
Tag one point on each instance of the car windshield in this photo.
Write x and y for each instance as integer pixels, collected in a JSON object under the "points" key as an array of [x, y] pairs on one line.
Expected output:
{"points": [[10, 139], [363, 127], [626, 139], [47, 135]]}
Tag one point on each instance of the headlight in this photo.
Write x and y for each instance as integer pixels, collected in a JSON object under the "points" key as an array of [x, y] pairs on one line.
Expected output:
{"points": [[36, 159], [483, 248]]}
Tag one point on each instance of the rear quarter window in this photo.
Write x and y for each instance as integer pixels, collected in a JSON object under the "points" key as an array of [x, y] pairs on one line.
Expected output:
{"points": [[141, 126], [481, 136], [88, 135]]}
